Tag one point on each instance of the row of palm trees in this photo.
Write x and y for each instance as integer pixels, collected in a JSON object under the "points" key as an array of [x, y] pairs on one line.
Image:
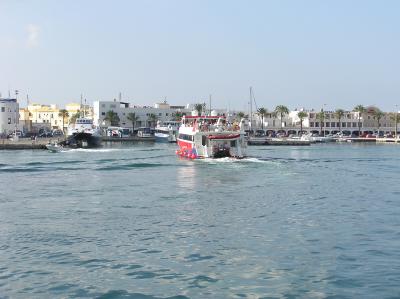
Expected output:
{"points": [[64, 114], [282, 110]]}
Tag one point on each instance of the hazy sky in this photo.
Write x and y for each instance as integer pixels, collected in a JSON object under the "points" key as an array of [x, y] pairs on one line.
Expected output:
{"points": [[297, 53]]}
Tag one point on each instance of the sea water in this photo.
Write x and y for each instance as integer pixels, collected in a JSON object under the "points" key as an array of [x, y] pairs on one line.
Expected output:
{"points": [[136, 221]]}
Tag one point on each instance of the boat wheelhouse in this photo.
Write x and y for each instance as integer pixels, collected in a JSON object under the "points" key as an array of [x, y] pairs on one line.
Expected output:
{"points": [[211, 137]]}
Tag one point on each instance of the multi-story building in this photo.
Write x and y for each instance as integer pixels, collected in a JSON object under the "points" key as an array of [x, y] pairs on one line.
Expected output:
{"points": [[9, 116], [351, 122], [160, 111], [47, 117]]}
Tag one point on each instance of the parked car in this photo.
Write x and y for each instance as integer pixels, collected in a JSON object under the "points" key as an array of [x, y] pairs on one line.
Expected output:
{"points": [[46, 134]]}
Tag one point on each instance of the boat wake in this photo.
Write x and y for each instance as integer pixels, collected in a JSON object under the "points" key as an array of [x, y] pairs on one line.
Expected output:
{"points": [[234, 160]]}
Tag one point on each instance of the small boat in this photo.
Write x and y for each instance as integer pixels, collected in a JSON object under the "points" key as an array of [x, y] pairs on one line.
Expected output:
{"points": [[54, 147], [167, 131], [211, 137]]}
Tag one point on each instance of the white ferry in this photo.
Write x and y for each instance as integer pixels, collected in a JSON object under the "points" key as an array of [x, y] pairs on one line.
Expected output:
{"points": [[211, 137], [83, 134], [167, 131]]}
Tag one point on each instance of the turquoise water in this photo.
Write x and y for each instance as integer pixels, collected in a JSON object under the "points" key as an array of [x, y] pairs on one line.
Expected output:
{"points": [[138, 222]]}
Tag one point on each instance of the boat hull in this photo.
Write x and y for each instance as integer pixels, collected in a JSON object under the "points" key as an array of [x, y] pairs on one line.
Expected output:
{"points": [[83, 140]]}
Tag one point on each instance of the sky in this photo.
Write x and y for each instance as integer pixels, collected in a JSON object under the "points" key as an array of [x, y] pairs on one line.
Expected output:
{"points": [[310, 54]]}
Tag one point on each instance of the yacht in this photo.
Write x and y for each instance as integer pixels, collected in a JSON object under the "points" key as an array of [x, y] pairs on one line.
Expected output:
{"points": [[167, 131]]}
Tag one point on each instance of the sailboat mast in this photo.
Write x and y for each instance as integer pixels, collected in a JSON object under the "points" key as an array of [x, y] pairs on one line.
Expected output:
{"points": [[251, 107]]}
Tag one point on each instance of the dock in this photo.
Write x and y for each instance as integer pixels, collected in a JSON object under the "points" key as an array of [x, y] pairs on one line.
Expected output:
{"points": [[128, 139], [25, 144], [388, 140], [277, 141]]}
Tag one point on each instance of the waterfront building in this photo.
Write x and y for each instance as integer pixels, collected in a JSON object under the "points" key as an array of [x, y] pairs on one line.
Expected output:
{"points": [[38, 117], [147, 115], [9, 116], [351, 122]]}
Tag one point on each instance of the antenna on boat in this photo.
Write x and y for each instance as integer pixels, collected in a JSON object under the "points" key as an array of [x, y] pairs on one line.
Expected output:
{"points": [[210, 103], [80, 111]]}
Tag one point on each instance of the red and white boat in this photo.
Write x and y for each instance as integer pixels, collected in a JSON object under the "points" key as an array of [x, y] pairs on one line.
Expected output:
{"points": [[211, 137]]}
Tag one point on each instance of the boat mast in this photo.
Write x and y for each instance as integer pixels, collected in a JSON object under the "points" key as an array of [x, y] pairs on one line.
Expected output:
{"points": [[251, 108], [210, 104]]}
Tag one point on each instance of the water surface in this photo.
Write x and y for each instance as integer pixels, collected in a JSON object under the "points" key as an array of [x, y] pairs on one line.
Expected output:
{"points": [[138, 222]]}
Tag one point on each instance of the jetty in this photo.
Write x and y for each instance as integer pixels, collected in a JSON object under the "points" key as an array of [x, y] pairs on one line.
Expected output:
{"points": [[128, 139], [277, 141], [25, 144]]}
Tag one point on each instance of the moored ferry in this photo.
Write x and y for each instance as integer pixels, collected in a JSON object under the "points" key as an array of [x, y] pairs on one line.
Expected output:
{"points": [[83, 134], [211, 137]]}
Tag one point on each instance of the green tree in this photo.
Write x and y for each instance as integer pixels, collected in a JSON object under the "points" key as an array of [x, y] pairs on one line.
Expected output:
{"points": [[177, 116], [112, 117], [199, 108], [396, 117], [262, 112], [360, 109], [74, 117], [378, 114], [321, 119], [133, 118], [240, 115], [64, 114], [152, 118], [281, 110], [339, 113], [302, 115]]}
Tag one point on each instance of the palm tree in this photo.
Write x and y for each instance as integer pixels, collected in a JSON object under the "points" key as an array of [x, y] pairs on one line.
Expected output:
{"points": [[378, 114], [262, 112], [396, 118], [240, 115], [302, 115], [112, 117], [64, 114], [282, 111], [152, 118], [199, 108], [133, 118], [73, 118], [360, 109], [177, 116], [339, 115], [321, 119]]}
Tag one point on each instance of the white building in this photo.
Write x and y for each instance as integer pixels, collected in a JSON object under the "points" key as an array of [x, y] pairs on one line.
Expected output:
{"points": [[161, 111], [9, 116], [350, 123]]}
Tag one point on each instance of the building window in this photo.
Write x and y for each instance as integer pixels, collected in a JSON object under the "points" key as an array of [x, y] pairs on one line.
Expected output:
{"points": [[3, 109], [159, 114], [354, 125], [9, 120], [333, 125], [317, 124], [103, 105], [166, 114], [311, 124], [327, 124], [103, 113], [113, 106]]}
